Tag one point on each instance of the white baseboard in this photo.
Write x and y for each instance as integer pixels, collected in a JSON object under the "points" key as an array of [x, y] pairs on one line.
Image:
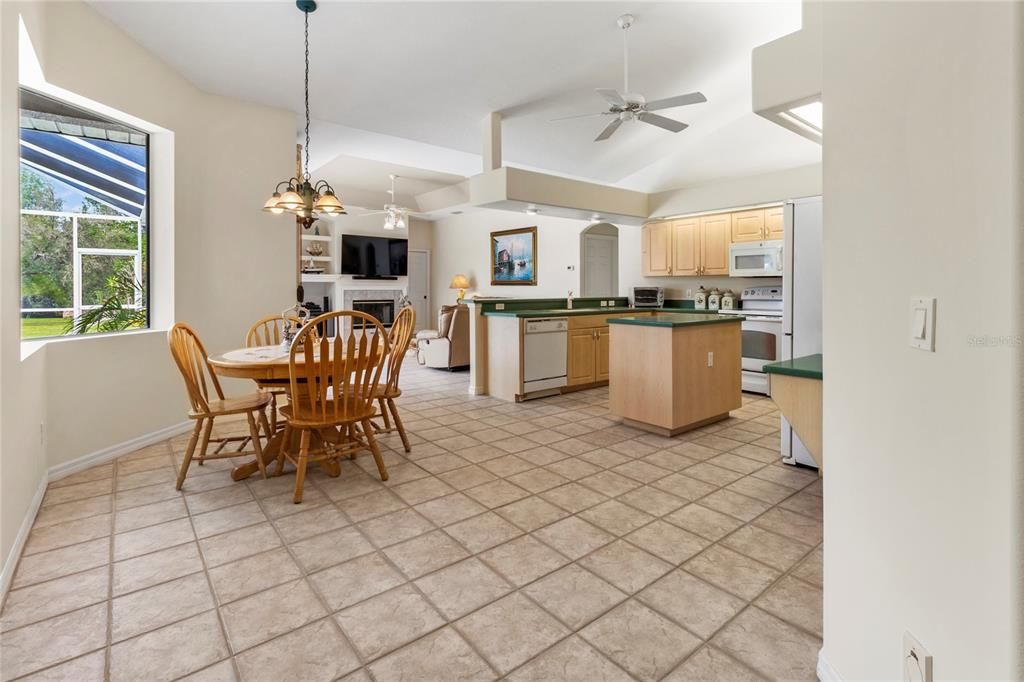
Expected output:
{"points": [[19, 541], [826, 673], [59, 471]]}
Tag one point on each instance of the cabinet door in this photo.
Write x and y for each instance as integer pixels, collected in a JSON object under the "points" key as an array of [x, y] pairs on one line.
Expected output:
{"points": [[581, 361], [715, 234], [659, 249], [645, 250], [775, 222], [685, 246], [748, 226], [601, 373]]}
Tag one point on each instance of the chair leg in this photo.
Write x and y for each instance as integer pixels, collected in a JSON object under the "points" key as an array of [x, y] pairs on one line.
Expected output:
{"points": [[204, 444], [384, 414], [273, 413], [399, 425], [254, 436], [189, 451], [285, 442], [300, 466], [371, 440], [267, 429]]}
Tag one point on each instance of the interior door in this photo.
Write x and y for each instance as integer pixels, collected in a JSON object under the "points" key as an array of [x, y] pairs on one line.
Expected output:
{"points": [[599, 261], [419, 287], [715, 235]]}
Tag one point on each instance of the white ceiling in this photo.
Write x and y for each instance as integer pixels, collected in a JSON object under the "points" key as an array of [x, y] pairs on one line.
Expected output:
{"points": [[423, 75]]}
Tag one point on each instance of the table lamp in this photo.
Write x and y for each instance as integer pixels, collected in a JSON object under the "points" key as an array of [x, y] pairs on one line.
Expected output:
{"points": [[460, 282]]}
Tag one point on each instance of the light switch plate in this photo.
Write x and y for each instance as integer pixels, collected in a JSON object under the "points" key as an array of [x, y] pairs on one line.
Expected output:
{"points": [[499, 306], [922, 323]]}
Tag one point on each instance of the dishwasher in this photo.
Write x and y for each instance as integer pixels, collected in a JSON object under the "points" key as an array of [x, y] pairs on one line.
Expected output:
{"points": [[544, 355]]}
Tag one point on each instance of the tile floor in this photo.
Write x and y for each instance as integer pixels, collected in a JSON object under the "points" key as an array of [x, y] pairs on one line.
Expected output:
{"points": [[538, 541]]}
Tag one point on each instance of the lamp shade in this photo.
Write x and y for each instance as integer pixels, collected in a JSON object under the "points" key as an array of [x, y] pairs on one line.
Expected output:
{"points": [[459, 282], [329, 204], [290, 200], [272, 204]]}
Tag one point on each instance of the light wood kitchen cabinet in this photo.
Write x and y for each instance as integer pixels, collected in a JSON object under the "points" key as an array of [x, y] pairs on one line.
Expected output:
{"points": [[657, 249], [603, 352], [581, 366], [715, 237], [748, 226], [775, 222], [685, 246]]}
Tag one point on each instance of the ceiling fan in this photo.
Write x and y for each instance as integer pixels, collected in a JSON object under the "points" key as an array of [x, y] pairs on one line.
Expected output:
{"points": [[627, 106], [395, 216]]}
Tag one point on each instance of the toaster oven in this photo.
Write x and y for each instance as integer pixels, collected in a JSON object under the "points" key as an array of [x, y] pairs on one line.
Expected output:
{"points": [[648, 297]]}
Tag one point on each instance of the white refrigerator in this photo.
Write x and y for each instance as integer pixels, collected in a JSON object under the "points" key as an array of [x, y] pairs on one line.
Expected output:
{"points": [[802, 295]]}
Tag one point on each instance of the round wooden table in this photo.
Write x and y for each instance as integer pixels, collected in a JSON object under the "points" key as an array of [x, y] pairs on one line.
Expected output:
{"points": [[268, 367]]}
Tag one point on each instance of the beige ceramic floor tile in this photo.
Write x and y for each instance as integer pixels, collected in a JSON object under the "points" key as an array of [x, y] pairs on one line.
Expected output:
{"points": [[153, 538], [353, 581], [572, 660], [732, 571], [463, 587], [626, 566], [766, 491], [72, 511], [523, 560], [88, 667], [641, 641], [794, 601], [793, 525], [510, 631], [531, 513], [668, 542], [256, 619], [155, 568], [709, 663], [770, 646], [651, 500], [52, 641], [496, 493], [309, 522], [45, 600], [450, 509], [615, 517], [228, 519], [739, 506], [67, 533], [330, 548], [59, 562], [221, 549], [442, 655], [574, 537], [426, 553], [575, 596], [218, 672], [200, 503], [705, 522], [810, 569], [157, 606], [253, 574], [149, 515], [422, 490], [573, 497], [314, 653], [767, 547], [395, 527], [482, 532], [195, 643], [467, 477], [698, 606], [388, 621]]}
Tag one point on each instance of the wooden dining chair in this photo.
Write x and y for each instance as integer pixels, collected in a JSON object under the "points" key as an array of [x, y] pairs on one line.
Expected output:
{"points": [[398, 343], [333, 382], [269, 331], [191, 358]]}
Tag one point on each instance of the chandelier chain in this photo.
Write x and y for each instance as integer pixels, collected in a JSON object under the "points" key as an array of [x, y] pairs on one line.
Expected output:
{"points": [[305, 172]]}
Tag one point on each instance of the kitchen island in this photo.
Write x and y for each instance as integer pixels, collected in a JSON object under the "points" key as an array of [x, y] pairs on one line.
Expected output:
{"points": [[795, 386], [672, 372]]}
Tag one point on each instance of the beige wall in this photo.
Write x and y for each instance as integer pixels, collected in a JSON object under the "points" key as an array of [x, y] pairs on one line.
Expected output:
{"points": [[923, 197], [218, 261]]}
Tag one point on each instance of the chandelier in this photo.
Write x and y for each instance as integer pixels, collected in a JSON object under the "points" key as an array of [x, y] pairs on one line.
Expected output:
{"points": [[302, 197]]}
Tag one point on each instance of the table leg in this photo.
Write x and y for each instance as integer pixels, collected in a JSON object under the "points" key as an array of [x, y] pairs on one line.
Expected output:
{"points": [[270, 452]]}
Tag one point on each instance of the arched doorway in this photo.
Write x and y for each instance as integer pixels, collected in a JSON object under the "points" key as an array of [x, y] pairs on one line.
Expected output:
{"points": [[599, 261]]}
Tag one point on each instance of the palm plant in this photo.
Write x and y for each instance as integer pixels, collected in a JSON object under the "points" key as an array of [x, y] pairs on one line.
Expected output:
{"points": [[116, 312]]}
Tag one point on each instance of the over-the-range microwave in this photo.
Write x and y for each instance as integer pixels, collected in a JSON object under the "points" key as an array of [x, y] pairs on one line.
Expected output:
{"points": [[756, 259]]}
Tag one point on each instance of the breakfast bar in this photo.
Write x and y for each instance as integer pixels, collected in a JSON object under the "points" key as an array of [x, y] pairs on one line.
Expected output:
{"points": [[673, 372]]}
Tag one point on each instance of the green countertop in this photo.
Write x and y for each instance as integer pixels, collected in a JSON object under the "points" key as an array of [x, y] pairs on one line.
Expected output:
{"points": [[807, 367], [562, 312], [676, 319]]}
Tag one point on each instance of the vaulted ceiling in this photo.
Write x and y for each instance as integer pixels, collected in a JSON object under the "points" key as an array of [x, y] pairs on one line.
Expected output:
{"points": [[410, 83]]}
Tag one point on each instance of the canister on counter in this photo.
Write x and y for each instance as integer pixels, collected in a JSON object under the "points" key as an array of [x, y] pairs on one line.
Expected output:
{"points": [[700, 299], [714, 299]]}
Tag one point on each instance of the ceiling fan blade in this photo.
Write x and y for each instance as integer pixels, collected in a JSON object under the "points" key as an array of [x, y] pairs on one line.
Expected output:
{"points": [[677, 101], [611, 96], [567, 118], [609, 130], [662, 122]]}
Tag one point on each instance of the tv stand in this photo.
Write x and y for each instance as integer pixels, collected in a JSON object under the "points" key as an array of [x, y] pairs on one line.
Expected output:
{"points": [[387, 277]]}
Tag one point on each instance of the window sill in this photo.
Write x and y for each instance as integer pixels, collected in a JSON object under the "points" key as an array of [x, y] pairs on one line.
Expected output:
{"points": [[31, 346]]}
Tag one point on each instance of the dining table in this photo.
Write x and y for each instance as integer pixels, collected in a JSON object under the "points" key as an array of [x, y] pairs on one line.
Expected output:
{"points": [[268, 367]]}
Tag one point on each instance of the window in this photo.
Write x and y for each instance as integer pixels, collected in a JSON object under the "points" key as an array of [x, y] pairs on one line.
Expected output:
{"points": [[84, 221]]}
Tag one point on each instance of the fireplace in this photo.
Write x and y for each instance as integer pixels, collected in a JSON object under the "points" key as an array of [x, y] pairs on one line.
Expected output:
{"points": [[383, 310]]}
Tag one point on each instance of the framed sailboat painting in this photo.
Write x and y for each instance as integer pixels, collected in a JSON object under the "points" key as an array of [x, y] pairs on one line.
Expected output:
{"points": [[514, 256]]}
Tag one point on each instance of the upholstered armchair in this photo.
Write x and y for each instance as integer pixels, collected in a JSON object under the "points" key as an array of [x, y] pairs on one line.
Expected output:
{"points": [[447, 346]]}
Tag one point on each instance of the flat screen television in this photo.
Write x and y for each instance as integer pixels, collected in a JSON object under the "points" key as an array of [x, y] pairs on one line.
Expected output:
{"points": [[374, 256]]}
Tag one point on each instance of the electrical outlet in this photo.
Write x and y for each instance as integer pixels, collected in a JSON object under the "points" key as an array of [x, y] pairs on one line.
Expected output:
{"points": [[499, 306], [604, 304], [711, 358], [917, 662]]}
